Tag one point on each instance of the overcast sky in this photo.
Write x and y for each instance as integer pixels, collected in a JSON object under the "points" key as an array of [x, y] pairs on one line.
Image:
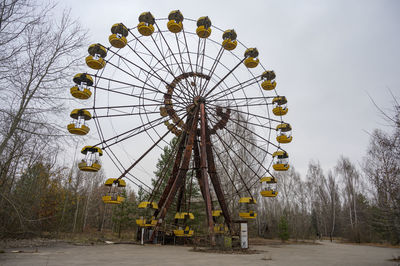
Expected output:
{"points": [[329, 57]]}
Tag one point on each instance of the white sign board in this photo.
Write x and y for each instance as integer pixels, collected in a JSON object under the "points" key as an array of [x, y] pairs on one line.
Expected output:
{"points": [[243, 236]]}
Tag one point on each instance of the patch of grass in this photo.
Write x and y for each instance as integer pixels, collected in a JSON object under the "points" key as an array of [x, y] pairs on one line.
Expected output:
{"points": [[86, 238], [94, 237], [277, 242], [267, 258]]}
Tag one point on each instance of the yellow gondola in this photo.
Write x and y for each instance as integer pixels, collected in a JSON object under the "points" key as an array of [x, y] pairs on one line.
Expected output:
{"points": [[246, 208], [269, 83], [281, 161], [184, 230], [203, 27], [284, 133], [148, 204], [280, 105], [78, 126], [118, 36], [97, 53], [142, 222], [184, 215], [270, 189], [175, 19], [220, 228], [251, 60], [229, 40], [216, 213], [187, 231], [146, 22], [115, 181], [81, 90], [113, 195], [90, 163], [146, 220]]}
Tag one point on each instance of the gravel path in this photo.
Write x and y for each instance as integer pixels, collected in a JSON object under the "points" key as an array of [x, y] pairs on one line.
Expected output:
{"points": [[308, 255]]}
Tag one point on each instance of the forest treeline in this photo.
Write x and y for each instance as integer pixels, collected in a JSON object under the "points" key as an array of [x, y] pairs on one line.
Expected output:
{"points": [[358, 201], [40, 51]]}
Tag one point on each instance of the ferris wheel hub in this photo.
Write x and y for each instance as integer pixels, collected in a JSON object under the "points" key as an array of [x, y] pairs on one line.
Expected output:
{"points": [[199, 99]]}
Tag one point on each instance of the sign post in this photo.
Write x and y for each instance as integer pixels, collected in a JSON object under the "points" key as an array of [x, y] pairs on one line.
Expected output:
{"points": [[243, 236]]}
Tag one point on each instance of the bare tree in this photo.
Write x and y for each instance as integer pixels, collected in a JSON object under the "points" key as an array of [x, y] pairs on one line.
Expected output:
{"points": [[39, 49], [38, 52], [334, 202], [36, 75], [382, 167], [314, 176], [15, 17], [237, 159], [350, 178]]}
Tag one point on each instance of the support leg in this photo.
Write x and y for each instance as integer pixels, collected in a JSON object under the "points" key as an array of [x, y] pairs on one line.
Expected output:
{"points": [[204, 176], [181, 173]]}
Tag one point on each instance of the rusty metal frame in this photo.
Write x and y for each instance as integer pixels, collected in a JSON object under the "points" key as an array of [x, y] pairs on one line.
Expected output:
{"points": [[174, 173], [216, 181], [196, 141], [181, 175], [203, 172]]}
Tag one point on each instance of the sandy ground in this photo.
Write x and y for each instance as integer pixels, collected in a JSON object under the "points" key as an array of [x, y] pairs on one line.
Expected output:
{"points": [[123, 254]]}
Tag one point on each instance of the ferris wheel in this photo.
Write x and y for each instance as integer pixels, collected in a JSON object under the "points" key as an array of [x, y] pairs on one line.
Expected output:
{"points": [[182, 78]]}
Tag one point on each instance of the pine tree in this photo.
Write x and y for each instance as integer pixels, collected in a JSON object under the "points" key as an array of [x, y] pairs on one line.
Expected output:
{"points": [[192, 191], [283, 229], [124, 214]]}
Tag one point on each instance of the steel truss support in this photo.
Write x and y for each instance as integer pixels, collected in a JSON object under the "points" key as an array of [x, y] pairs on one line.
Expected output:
{"points": [[203, 173], [216, 181], [197, 140], [181, 173]]}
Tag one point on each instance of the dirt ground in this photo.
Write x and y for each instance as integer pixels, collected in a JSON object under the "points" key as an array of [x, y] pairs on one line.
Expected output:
{"points": [[324, 253]]}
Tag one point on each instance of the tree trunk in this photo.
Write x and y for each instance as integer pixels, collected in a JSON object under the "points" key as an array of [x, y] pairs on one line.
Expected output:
{"points": [[76, 213]]}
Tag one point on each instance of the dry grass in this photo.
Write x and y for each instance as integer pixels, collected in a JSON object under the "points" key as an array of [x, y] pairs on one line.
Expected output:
{"points": [[382, 245], [28, 243], [276, 242], [87, 238], [96, 237]]}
